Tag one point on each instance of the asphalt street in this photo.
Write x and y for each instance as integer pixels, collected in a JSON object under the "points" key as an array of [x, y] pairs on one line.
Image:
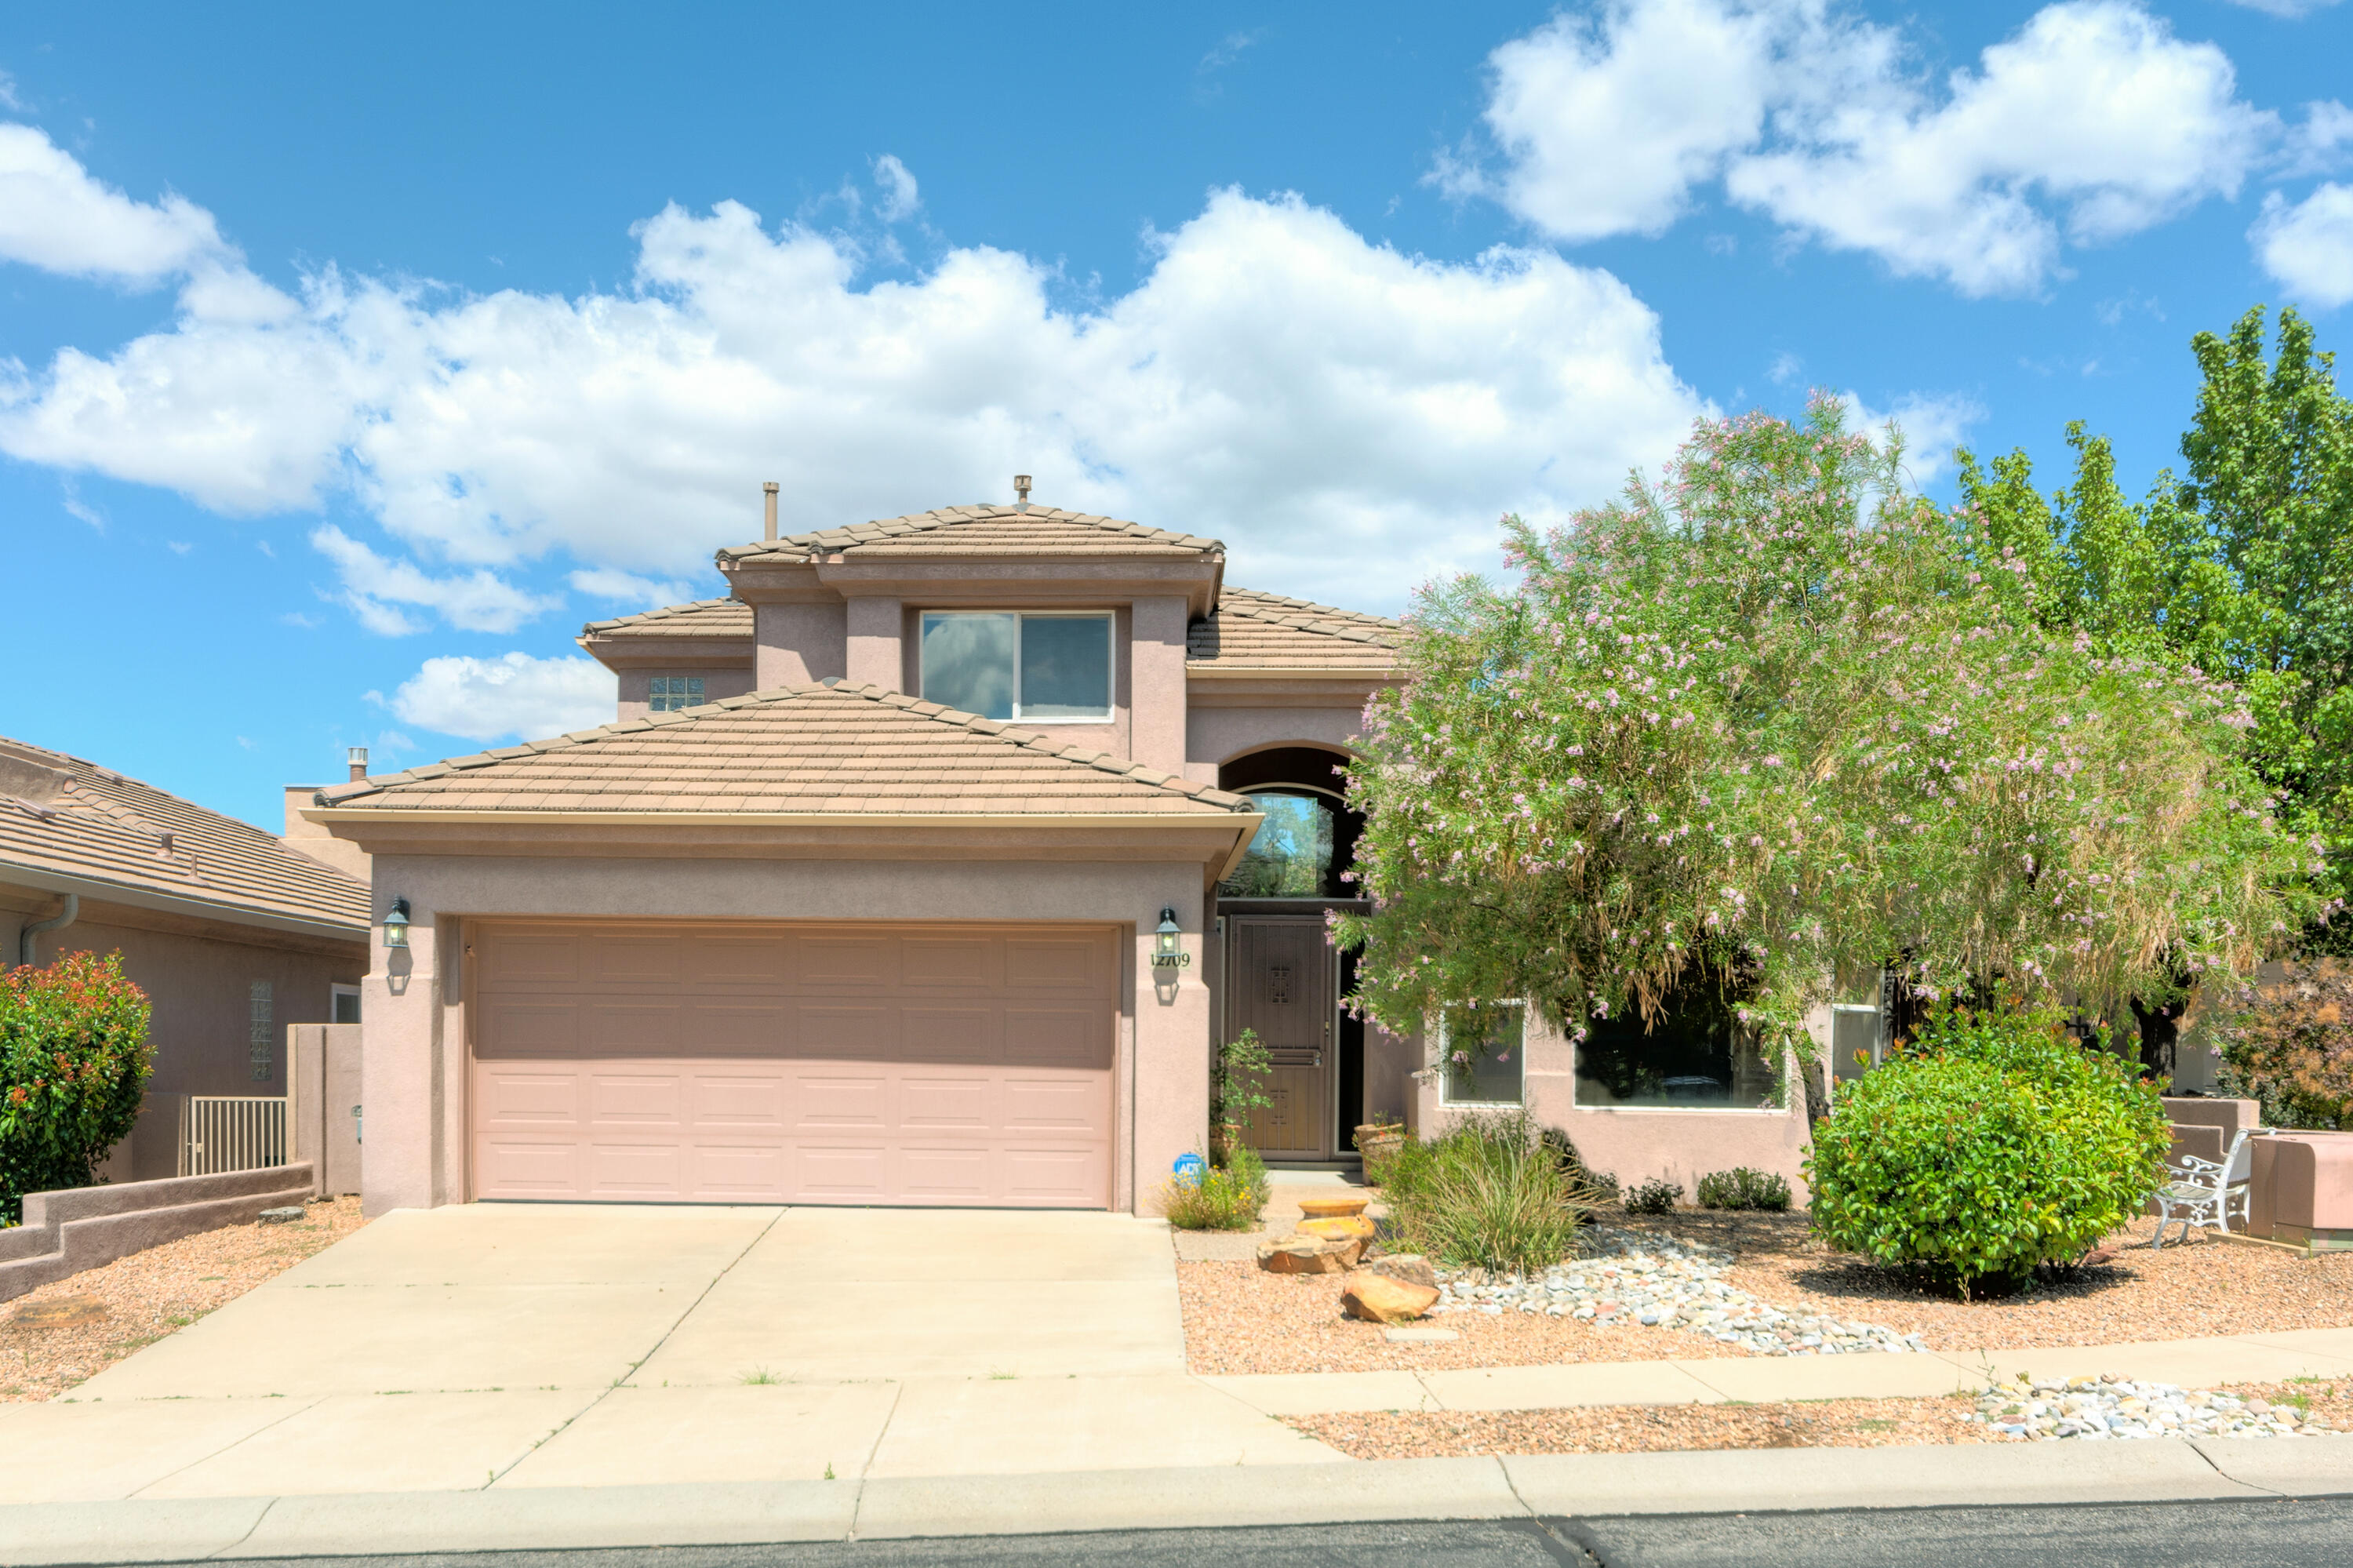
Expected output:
{"points": [[2279, 1533]]}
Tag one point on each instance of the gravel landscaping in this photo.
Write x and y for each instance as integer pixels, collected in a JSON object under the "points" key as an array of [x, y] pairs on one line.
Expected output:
{"points": [[1823, 1423], [1773, 1285], [54, 1336]]}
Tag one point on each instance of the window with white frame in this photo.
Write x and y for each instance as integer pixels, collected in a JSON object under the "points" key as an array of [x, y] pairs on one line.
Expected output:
{"points": [[1046, 668], [669, 694], [1479, 1058]]}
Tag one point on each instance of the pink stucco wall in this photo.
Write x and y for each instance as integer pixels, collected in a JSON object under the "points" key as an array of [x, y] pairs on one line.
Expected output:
{"points": [[414, 1059], [199, 978]]}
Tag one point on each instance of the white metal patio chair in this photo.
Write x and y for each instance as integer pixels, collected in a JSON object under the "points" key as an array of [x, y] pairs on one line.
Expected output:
{"points": [[2205, 1191]]}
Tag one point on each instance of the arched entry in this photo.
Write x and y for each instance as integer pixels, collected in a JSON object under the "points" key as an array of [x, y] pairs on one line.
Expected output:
{"points": [[1282, 977]]}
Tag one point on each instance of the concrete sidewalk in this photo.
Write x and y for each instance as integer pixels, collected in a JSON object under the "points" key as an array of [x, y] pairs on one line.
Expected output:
{"points": [[2191, 1363], [1570, 1486]]}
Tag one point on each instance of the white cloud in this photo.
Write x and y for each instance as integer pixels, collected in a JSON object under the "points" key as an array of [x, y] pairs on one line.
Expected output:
{"points": [[55, 216], [2289, 9], [510, 696], [2307, 247], [1932, 424], [1350, 418], [1786, 368], [9, 97], [2092, 122], [374, 586], [900, 198], [2321, 144], [628, 587]]}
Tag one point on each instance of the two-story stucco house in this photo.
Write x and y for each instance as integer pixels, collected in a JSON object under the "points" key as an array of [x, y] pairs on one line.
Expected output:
{"points": [[928, 866]]}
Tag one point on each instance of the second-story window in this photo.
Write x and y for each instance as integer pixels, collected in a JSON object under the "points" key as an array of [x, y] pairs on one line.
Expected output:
{"points": [[671, 692], [1045, 668]]}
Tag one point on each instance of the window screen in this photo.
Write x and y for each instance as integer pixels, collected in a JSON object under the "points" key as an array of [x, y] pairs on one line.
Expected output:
{"points": [[1482, 1048], [1045, 668]]}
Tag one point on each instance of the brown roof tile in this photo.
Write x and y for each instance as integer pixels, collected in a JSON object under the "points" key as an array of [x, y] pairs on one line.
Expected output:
{"points": [[703, 617], [70, 817], [1251, 630], [959, 532], [807, 748]]}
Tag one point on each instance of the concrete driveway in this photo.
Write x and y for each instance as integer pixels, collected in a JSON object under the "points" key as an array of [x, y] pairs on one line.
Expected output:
{"points": [[581, 1345]]}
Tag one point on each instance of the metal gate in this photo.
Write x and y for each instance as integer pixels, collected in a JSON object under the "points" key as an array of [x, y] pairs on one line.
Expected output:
{"points": [[221, 1133]]}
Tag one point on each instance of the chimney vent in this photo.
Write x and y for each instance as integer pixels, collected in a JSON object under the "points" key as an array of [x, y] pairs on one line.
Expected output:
{"points": [[771, 488], [1021, 489], [357, 758]]}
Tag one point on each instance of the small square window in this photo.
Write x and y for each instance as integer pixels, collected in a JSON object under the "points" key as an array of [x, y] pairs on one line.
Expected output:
{"points": [[1480, 1059], [669, 694], [1046, 669], [344, 1004]]}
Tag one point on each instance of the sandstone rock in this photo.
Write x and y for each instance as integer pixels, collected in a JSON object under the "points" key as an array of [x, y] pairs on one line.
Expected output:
{"points": [[1380, 1300], [1410, 1266], [1307, 1254], [1348, 1227], [1333, 1208]]}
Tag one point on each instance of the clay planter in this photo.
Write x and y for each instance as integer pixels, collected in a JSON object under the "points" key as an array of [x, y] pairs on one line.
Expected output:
{"points": [[1339, 1227], [1378, 1144], [1331, 1208]]}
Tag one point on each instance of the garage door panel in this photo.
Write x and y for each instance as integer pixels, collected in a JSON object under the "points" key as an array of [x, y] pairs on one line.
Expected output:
{"points": [[533, 1027], [834, 1030], [615, 1028], [735, 1062], [1066, 1107], [519, 1168], [939, 1034], [828, 1102], [1076, 1037], [965, 963], [511, 1097]]}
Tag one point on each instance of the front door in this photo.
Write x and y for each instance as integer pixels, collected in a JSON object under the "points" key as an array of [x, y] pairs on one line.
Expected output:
{"points": [[1282, 988]]}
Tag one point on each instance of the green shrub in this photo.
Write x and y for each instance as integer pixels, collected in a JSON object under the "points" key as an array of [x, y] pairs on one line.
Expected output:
{"points": [[1656, 1196], [1992, 1144], [1228, 1196], [1743, 1188], [74, 1060], [1488, 1192], [1238, 1086]]}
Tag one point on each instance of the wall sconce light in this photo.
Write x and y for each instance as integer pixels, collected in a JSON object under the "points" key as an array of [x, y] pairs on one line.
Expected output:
{"points": [[395, 926], [1166, 940]]}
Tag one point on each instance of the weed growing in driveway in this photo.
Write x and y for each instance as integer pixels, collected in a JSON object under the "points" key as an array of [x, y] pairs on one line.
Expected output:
{"points": [[761, 1375]]}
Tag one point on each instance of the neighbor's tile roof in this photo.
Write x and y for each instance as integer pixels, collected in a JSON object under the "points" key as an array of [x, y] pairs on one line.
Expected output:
{"points": [[70, 817], [814, 748], [703, 617], [1251, 630], [959, 532]]}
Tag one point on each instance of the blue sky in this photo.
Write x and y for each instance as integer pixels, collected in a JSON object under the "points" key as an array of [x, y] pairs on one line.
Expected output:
{"points": [[348, 364]]}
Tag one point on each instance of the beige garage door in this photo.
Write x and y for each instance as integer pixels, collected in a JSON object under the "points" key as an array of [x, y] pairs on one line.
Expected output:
{"points": [[707, 1062]]}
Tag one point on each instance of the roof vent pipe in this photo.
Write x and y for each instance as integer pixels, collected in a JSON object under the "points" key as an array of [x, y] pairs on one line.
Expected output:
{"points": [[57, 922], [771, 488], [1021, 489], [357, 758]]}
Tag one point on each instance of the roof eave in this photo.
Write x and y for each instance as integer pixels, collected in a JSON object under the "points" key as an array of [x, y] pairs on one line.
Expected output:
{"points": [[138, 898]]}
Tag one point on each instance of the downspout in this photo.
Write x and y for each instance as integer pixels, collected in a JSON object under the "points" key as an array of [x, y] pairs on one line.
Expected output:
{"points": [[57, 922]]}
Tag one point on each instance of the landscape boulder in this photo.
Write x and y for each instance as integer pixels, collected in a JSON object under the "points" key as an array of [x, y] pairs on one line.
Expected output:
{"points": [[1410, 1266], [1379, 1299], [1307, 1254]]}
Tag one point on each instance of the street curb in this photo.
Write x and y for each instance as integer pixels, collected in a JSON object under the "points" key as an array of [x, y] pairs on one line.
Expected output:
{"points": [[1589, 1486]]}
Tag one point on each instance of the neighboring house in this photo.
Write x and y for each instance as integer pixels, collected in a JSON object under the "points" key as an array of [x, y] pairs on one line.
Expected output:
{"points": [[925, 867], [232, 935]]}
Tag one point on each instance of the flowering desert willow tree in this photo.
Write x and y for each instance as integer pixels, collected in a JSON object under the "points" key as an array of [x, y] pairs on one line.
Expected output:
{"points": [[1763, 724]]}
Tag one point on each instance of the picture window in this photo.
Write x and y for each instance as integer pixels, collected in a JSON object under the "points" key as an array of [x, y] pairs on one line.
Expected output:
{"points": [[1480, 1055], [1045, 669]]}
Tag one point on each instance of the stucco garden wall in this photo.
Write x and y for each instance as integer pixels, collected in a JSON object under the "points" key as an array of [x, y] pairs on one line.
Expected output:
{"points": [[415, 1052]]}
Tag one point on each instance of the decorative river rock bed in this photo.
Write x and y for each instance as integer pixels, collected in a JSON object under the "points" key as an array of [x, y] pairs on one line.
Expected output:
{"points": [[1632, 1278], [2104, 1407]]}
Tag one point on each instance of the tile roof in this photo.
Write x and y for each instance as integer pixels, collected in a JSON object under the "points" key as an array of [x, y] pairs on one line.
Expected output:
{"points": [[959, 532], [831, 750], [70, 817], [1251, 630], [703, 617]]}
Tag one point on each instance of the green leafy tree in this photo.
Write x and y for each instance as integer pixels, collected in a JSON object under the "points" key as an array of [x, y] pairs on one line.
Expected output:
{"points": [[2246, 566], [1777, 718], [74, 1060]]}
